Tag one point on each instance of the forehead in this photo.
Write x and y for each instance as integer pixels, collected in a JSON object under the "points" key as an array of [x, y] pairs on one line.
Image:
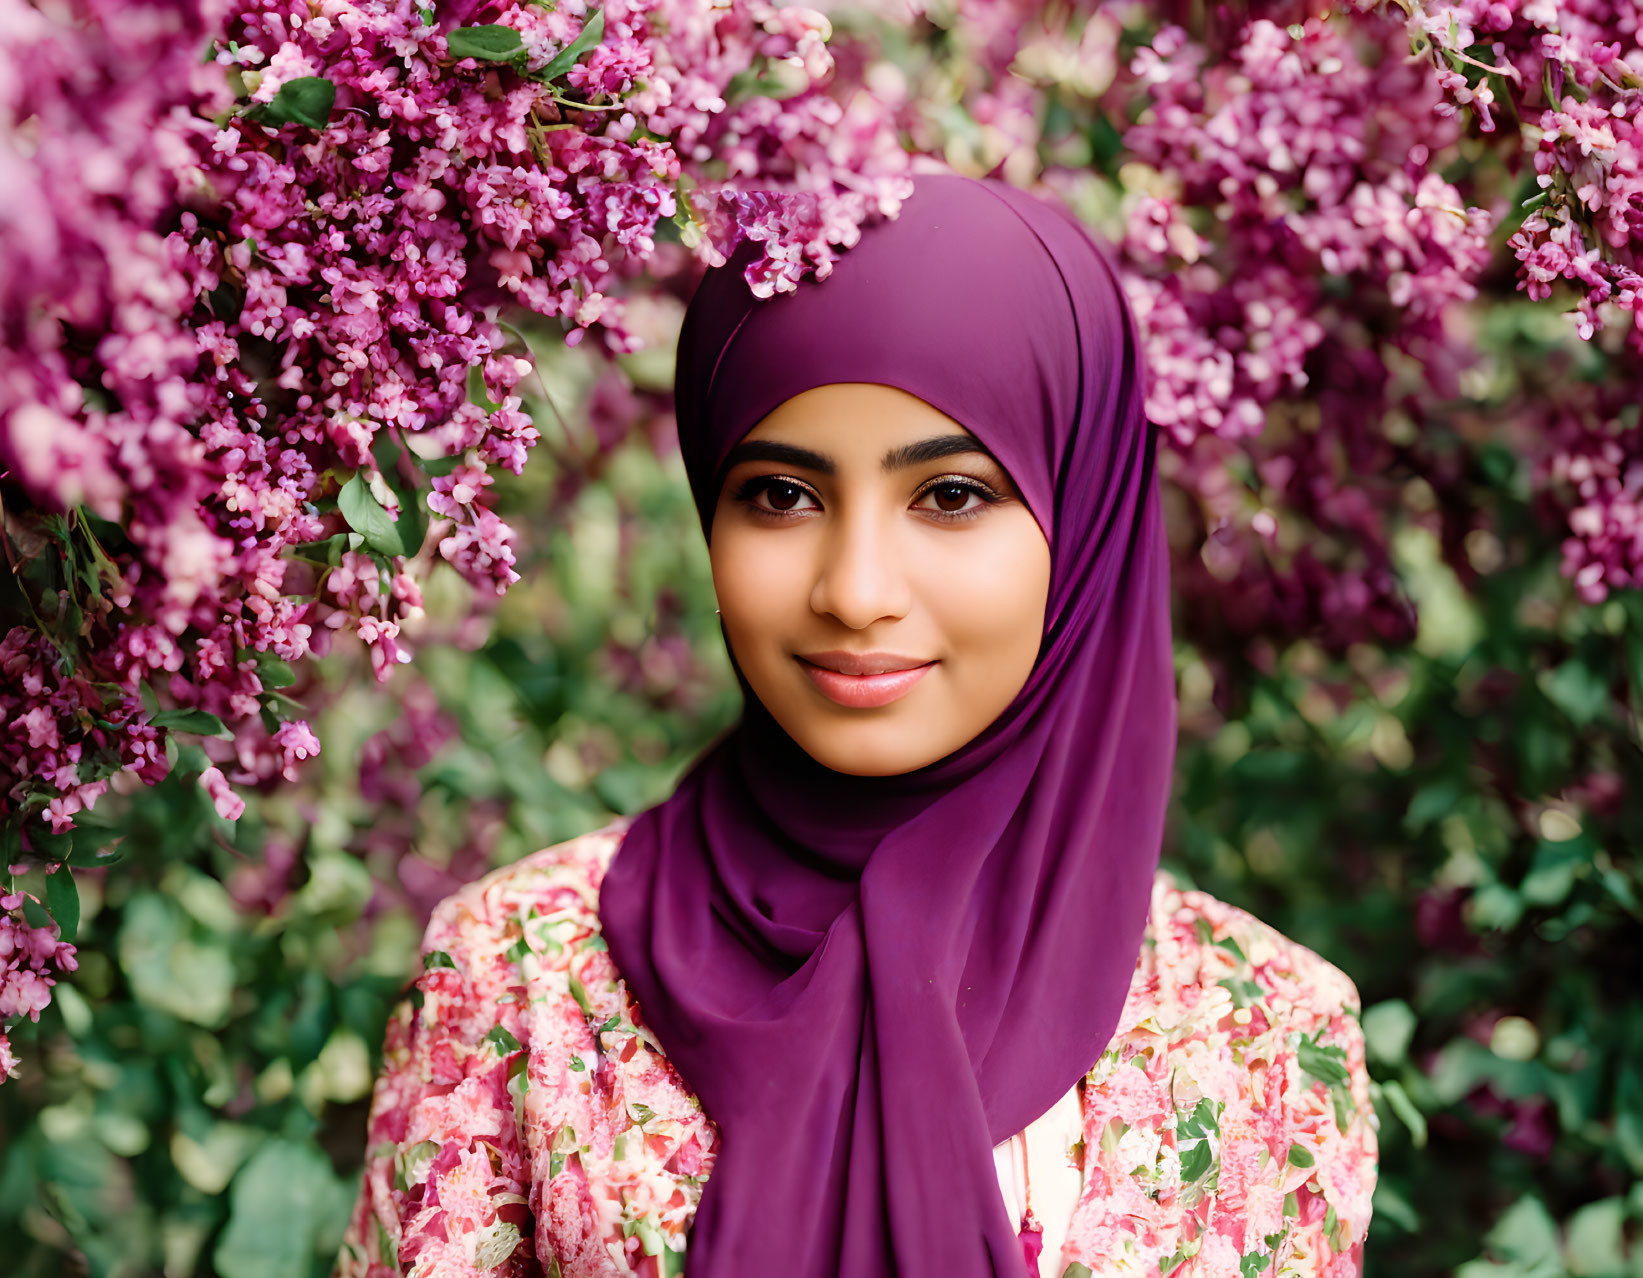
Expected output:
{"points": [[855, 414]]}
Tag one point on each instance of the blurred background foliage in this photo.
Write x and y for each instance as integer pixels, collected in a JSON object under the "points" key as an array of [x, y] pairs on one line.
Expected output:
{"points": [[1454, 823], [1450, 819]]}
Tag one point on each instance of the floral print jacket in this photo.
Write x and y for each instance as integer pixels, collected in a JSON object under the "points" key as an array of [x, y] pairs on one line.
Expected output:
{"points": [[526, 1122]]}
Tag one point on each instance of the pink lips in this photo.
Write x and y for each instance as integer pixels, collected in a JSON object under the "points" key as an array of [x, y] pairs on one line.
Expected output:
{"points": [[864, 680]]}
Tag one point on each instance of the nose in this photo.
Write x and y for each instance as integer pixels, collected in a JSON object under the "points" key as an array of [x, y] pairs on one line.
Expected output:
{"points": [[861, 574]]}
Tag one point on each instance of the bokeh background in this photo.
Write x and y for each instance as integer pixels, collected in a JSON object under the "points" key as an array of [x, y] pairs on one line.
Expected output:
{"points": [[1383, 255]]}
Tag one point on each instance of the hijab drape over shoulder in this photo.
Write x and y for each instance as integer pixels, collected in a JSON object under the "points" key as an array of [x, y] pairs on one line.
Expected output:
{"points": [[870, 981]]}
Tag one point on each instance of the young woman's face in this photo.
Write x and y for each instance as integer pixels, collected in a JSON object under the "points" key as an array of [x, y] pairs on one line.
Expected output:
{"points": [[881, 581]]}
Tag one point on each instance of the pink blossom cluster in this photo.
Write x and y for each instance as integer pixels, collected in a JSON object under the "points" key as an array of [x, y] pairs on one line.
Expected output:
{"points": [[1312, 163], [64, 736], [1295, 246], [1591, 464], [323, 292], [30, 958], [1571, 74], [254, 309]]}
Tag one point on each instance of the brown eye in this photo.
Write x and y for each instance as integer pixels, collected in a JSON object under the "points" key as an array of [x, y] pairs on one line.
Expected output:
{"points": [[951, 497], [782, 495]]}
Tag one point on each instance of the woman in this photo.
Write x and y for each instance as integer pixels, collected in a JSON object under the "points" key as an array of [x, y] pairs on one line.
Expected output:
{"points": [[891, 984]]}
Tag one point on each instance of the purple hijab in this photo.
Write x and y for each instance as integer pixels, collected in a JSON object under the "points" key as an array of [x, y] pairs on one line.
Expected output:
{"points": [[871, 981]]}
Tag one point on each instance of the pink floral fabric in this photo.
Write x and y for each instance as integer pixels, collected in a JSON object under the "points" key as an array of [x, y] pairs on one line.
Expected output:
{"points": [[526, 1122]]}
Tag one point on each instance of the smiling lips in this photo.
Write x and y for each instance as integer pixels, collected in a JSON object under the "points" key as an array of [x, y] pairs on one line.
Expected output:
{"points": [[863, 680]]}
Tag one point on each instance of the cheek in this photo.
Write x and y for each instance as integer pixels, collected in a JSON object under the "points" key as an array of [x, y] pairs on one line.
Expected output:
{"points": [[757, 586], [989, 602]]}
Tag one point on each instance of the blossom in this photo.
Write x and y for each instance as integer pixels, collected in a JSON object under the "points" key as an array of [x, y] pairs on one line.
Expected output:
{"points": [[296, 742], [278, 306], [228, 804], [30, 960]]}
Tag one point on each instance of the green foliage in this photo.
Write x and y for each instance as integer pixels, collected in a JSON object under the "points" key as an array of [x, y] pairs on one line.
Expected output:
{"points": [[1453, 823], [370, 519], [496, 43], [572, 53], [307, 101], [1455, 826], [192, 1101], [491, 43]]}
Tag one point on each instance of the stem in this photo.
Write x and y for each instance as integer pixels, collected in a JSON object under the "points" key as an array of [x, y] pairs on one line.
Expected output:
{"points": [[585, 106], [560, 459]]}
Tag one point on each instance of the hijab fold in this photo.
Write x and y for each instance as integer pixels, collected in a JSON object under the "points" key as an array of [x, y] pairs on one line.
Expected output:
{"points": [[871, 981]]}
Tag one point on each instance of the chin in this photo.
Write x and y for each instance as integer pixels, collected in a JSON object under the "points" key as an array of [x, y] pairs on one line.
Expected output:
{"points": [[864, 757]]}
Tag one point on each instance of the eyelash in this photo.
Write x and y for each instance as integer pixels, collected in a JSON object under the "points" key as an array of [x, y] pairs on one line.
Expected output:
{"points": [[759, 483]]}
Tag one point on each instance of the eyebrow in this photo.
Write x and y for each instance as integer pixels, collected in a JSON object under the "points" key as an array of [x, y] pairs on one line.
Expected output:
{"points": [[915, 454]]}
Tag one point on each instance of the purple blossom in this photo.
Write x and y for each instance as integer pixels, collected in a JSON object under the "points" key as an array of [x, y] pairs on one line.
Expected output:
{"points": [[30, 958]]}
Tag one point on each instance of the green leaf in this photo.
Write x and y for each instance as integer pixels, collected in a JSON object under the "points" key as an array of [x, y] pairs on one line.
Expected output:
{"points": [[1387, 1030], [564, 1143], [328, 550], [368, 517], [1301, 1156], [1579, 691], [650, 1235], [1554, 869], [1391, 1206], [1201, 1121], [1525, 1233], [572, 53], [201, 722], [1430, 802], [91, 852], [1494, 907], [283, 1203], [437, 958], [1326, 1064], [579, 994], [411, 1162], [478, 396], [411, 520], [1596, 1242], [63, 900], [1076, 1270], [438, 467], [596, 943], [306, 100], [502, 1040], [625, 788], [492, 43], [271, 671], [520, 1069], [1196, 1161], [1245, 993], [172, 965]]}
